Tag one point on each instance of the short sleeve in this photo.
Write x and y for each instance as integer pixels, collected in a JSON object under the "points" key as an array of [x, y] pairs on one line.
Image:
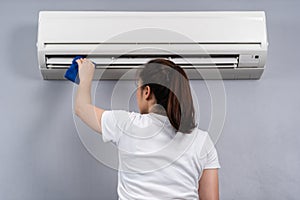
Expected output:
{"points": [[113, 123], [211, 157]]}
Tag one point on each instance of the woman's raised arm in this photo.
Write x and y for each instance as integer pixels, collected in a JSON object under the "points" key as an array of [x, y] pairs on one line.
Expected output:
{"points": [[83, 107]]}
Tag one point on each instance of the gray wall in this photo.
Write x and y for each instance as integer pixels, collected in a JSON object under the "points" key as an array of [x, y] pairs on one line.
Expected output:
{"points": [[42, 156]]}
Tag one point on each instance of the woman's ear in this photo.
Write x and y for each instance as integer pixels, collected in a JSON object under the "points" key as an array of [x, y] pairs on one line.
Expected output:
{"points": [[147, 92]]}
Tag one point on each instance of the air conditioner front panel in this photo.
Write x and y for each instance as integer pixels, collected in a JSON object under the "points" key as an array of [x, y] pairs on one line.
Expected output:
{"points": [[150, 27], [158, 48]]}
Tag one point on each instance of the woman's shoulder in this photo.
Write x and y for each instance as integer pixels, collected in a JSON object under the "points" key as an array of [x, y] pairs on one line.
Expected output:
{"points": [[201, 137], [119, 116], [121, 113], [200, 133], [123, 116]]}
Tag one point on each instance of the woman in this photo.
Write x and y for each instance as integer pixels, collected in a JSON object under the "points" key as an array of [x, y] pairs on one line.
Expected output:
{"points": [[163, 155]]}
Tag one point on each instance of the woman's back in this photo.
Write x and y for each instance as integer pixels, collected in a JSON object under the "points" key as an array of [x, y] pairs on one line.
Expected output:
{"points": [[155, 161], [162, 154]]}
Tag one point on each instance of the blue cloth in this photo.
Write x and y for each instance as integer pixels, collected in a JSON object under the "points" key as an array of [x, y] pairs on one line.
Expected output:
{"points": [[72, 73]]}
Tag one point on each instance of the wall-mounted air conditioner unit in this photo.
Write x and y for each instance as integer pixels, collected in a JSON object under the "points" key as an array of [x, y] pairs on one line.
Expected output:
{"points": [[210, 45]]}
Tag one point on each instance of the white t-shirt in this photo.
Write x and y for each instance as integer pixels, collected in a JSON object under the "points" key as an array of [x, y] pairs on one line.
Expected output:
{"points": [[155, 161]]}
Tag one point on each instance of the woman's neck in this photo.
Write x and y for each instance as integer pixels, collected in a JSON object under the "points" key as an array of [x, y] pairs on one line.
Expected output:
{"points": [[158, 109]]}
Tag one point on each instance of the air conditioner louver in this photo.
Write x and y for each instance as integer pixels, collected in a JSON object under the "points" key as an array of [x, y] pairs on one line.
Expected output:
{"points": [[63, 62]]}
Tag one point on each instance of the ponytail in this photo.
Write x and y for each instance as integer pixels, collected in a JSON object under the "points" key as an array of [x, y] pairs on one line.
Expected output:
{"points": [[171, 88]]}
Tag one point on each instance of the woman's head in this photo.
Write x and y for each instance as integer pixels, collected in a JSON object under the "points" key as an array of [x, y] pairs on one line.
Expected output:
{"points": [[163, 82]]}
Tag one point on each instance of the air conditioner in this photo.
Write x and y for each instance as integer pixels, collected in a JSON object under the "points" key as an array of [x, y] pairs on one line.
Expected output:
{"points": [[208, 45]]}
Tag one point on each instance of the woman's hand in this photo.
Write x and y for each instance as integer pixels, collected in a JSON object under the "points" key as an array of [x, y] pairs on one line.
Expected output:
{"points": [[86, 69]]}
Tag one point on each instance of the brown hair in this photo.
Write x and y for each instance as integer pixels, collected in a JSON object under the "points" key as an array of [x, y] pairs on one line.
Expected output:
{"points": [[170, 86]]}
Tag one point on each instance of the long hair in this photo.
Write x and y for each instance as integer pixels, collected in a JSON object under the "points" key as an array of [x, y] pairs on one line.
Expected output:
{"points": [[170, 86]]}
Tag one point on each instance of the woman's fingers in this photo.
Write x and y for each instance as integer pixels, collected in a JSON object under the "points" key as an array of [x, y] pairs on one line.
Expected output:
{"points": [[83, 61], [79, 61]]}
